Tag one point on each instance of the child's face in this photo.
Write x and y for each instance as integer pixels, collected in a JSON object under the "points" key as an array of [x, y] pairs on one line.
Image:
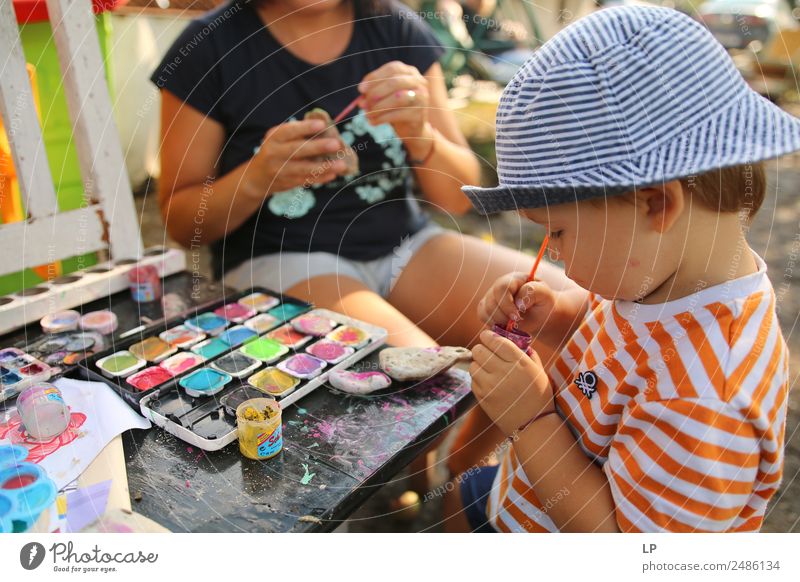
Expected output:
{"points": [[608, 246]]}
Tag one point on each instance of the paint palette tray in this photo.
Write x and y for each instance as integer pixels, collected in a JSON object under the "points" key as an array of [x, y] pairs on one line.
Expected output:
{"points": [[18, 370], [62, 350], [161, 356], [281, 367]]}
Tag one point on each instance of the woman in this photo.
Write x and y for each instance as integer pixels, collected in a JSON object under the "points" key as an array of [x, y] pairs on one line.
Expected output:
{"points": [[243, 172]]}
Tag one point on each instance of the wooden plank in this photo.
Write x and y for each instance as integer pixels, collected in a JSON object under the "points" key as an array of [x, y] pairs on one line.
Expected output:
{"points": [[96, 138], [52, 238], [21, 122], [98, 282]]}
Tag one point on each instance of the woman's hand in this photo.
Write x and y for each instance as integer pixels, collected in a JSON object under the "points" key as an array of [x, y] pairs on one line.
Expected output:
{"points": [[510, 386], [289, 157], [398, 94]]}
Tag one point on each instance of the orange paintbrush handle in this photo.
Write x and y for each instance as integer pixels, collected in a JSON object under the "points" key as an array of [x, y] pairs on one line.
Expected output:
{"points": [[510, 324]]}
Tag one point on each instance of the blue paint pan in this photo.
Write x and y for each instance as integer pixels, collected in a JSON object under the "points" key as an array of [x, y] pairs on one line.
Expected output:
{"points": [[27, 491], [204, 382], [237, 335], [208, 323], [210, 348], [286, 311]]}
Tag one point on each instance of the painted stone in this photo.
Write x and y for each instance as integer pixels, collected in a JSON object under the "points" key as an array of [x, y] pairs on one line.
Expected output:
{"points": [[407, 364], [358, 382], [347, 153]]}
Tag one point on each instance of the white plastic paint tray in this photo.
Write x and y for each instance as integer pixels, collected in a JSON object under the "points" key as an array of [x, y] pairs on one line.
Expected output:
{"points": [[204, 423]]}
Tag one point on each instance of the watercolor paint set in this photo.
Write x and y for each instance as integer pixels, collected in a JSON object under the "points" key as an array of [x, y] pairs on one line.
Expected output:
{"points": [[285, 363], [65, 349], [18, 370], [162, 354], [25, 490], [189, 374]]}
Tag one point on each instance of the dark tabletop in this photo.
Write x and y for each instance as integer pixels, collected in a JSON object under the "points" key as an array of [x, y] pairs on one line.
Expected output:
{"points": [[338, 449]]}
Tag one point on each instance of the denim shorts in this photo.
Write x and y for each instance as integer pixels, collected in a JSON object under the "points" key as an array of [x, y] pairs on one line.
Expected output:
{"points": [[281, 271], [476, 485]]}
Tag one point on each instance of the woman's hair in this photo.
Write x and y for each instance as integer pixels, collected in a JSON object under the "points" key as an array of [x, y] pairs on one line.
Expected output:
{"points": [[733, 189]]}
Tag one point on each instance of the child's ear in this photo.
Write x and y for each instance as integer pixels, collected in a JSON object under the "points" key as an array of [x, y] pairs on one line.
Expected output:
{"points": [[664, 204]]}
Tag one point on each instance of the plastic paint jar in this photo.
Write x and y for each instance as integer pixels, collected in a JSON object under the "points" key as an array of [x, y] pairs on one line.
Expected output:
{"points": [[11, 455], [144, 283], [260, 434], [6, 506], [521, 339], [60, 321], [43, 411], [103, 322]]}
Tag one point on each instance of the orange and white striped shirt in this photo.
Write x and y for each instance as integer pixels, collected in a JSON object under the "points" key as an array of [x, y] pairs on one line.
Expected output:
{"points": [[683, 404]]}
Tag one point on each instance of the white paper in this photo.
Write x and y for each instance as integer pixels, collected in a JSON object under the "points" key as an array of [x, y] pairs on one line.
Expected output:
{"points": [[98, 414]]}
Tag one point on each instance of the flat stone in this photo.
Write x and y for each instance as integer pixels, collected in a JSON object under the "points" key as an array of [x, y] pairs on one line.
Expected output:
{"points": [[358, 382], [407, 364], [347, 153]]}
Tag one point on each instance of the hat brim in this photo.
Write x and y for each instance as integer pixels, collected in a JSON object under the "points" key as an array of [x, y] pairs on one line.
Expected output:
{"points": [[751, 130]]}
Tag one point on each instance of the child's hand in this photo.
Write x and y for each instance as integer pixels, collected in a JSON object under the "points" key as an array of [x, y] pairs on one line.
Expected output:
{"points": [[529, 305], [510, 386]]}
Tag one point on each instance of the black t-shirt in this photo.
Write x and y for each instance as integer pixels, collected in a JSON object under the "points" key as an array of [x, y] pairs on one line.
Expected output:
{"points": [[228, 66]]}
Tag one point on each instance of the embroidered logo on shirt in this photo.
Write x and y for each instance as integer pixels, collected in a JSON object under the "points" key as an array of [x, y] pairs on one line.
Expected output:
{"points": [[587, 382]]}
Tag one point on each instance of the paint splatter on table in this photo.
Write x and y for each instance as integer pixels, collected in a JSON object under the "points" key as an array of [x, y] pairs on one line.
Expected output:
{"points": [[339, 449]]}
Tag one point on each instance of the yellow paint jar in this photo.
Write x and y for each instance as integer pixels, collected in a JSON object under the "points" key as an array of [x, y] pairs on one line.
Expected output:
{"points": [[258, 422]]}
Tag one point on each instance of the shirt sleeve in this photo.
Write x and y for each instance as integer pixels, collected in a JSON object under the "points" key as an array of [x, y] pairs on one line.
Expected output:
{"points": [[684, 465], [190, 70], [415, 42]]}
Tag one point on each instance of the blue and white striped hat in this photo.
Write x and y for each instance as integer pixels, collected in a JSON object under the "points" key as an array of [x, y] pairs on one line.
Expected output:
{"points": [[621, 99]]}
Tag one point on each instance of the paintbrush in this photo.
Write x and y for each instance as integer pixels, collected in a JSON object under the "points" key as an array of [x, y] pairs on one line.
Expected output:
{"points": [[510, 325], [353, 104]]}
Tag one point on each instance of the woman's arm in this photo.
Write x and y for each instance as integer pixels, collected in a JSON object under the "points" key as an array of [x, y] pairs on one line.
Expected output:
{"points": [[452, 163], [427, 128], [193, 201], [199, 207]]}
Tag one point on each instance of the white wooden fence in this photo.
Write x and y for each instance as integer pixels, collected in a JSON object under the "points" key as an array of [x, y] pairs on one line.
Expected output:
{"points": [[107, 220]]}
